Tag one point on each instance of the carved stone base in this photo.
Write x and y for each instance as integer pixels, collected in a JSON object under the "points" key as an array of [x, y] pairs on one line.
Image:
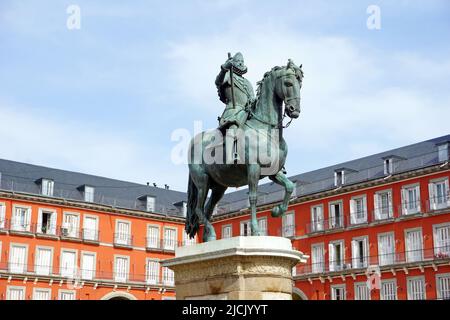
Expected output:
{"points": [[239, 268]]}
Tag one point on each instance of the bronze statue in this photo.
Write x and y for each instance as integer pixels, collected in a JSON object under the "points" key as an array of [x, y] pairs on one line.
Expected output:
{"points": [[262, 149]]}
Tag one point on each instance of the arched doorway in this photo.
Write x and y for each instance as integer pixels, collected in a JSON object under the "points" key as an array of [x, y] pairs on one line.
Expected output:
{"points": [[119, 295], [298, 294]]}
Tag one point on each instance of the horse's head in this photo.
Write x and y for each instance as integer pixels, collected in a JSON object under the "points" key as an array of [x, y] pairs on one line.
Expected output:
{"points": [[287, 88]]}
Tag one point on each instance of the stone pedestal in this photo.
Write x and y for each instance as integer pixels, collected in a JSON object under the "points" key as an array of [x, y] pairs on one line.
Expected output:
{"points": [[239, 268]]}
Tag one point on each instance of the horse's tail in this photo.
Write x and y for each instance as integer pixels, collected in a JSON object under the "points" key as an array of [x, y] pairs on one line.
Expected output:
{"points": [[192, 224]]}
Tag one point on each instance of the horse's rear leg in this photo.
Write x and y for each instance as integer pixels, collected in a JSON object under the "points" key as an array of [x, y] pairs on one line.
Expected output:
{"points": [[254, 172], [217, 192], [288, 185], [201, 180]]}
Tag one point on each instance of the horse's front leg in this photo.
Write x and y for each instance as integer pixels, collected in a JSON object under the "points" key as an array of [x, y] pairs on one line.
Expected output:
{"points": [[289, 186], [254, 172]]}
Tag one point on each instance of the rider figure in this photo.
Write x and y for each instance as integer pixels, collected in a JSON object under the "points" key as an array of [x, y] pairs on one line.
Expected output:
{"points": [[235, 114]]}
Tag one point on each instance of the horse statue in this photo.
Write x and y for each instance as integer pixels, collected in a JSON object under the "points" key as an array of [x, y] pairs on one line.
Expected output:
{"points": [[262, 133]]}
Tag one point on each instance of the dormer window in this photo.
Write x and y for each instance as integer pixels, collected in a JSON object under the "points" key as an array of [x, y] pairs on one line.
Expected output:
{"points": [[150, 204], [443, 154], [339, 178], [388, 166], [182, 206], [89, 193], [46, 187]]}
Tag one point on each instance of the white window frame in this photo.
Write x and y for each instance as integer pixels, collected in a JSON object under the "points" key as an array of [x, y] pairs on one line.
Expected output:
{"points": [[410, 292], [414, 255], [406, 207], [88, 233], [356, 258], [388, 166], [187, 241], [380, 213], [331, 252], [64, 270], [354, 218], [89, 194], [150, 204], [333, 289], [117, 276], [443, 153], [2, 215], [339, 178], [335, 223], [317, 220], [170, 244], [441, 250], [122, 238], [53, 221], [148, 279], [440, 295], [47, 187], [383, 295], [72, 231], [168, 276], [23, 267], [36, 266], [64, 291], [21, 288], [288, 229], [88, 274], [152, 242], [432, 190], [386, 258], [26, 221], [358, 286], [245, 228], [47, 290], [225, 227], [318, 266], [262, 224]]}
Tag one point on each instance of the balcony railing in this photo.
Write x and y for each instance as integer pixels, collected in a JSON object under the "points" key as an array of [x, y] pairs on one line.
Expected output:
{"points": [[123, 240], [73, 273], [383, 260], [158, 244], [70, 232], [323, 225], [91, 235]]}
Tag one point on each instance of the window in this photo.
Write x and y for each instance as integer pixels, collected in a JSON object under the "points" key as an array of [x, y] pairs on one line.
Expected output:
{"points": [[336, 255], [227, 231], [89, 193], [336, 215], [2, 215], [46, 222], [90, 228], [70, 225], [153, 267], [338, 292], [413, 245], [316, 218], [288, 225], [411, 199], [442, 241], [360, 252], [153, 240], [443, 152], [362, 291], [439, 194], [317, 258], [42, 294], [170, 238], [68, 264], [87, 265], [262, 224], [443, 286], [18, 258], [21, 218], [386, 249], [416, 288], [388, 166], [150, 204], [47, 187], [123, 234], [66, 295], [388, 290], [188, 241], [43, 261], [245, 228], [15, 293], [358, 211], [168, 276], [121, 267], [339, 178], [383, 205]]}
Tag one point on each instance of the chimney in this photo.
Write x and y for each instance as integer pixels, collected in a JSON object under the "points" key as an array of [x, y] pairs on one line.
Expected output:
{"points": [[154, 184]]}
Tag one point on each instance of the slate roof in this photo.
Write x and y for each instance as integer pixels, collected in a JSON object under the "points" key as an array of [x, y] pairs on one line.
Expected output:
{"points": [[22, 177]]}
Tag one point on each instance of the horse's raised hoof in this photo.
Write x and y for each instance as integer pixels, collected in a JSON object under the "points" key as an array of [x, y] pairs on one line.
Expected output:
{"points": [[277, 211]]}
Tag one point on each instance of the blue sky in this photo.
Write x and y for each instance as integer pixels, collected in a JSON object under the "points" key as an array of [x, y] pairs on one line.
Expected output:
{"points": [[105, 99]]}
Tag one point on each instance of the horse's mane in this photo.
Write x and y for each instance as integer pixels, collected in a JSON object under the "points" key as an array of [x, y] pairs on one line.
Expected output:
{"points": [[259, 84]]}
